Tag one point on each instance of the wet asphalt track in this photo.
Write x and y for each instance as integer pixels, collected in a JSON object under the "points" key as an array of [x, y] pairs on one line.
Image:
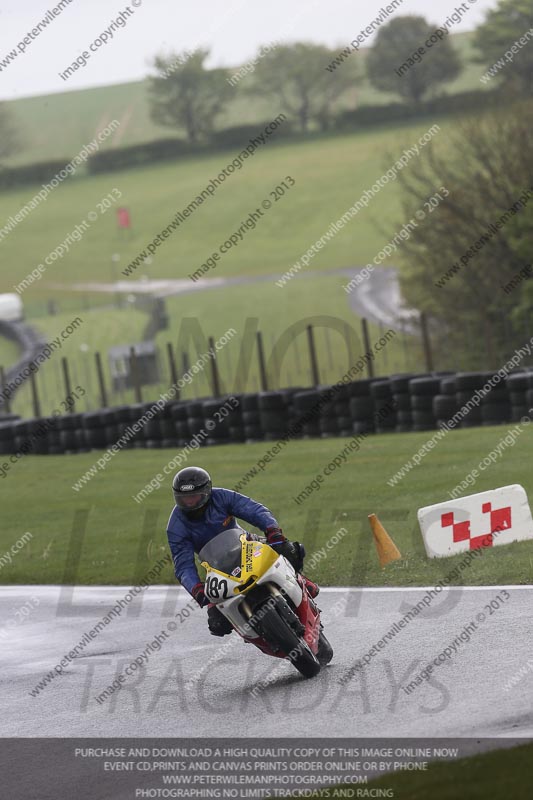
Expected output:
{"points": [[465, 696], [377, 297]]}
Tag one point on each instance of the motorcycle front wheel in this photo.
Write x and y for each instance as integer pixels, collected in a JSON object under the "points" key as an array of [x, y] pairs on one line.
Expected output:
{"points": [[280, 636], [325, 650]]}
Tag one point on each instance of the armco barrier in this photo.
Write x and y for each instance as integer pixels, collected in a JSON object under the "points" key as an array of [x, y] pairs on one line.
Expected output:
{"points": [[398, 403], [30, 342]]}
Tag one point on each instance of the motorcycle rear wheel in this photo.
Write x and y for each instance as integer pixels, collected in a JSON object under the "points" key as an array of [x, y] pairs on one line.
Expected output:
{"points": [[278, 634]]}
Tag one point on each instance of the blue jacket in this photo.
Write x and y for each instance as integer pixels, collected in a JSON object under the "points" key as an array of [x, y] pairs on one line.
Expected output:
{"points": [[187, 536]]}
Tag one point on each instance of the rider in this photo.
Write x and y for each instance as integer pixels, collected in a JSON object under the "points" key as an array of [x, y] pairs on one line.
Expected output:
{"points": [[200, 514]]}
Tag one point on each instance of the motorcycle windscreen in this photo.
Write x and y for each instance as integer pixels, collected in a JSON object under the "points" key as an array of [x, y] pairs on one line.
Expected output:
{"points": [[224, 551]]}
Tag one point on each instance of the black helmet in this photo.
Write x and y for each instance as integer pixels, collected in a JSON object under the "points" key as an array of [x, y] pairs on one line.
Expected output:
{"points": [[192, 488]]}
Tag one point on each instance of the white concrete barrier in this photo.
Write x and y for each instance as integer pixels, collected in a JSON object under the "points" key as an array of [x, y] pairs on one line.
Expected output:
{"points": [[485, 519]]}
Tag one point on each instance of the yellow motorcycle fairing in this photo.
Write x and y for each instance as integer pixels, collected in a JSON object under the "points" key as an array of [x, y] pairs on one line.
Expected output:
{"points": [[256, 559]]}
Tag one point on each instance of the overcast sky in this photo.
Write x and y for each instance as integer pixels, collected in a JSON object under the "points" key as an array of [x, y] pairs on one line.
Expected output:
{"points": [[234, 29]]}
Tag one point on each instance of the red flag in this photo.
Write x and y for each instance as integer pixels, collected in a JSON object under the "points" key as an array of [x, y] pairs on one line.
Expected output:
{"points": [[123, 217]]}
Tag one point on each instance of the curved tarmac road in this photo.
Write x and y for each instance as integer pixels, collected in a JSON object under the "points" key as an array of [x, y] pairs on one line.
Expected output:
{"points": [[377, 298]]}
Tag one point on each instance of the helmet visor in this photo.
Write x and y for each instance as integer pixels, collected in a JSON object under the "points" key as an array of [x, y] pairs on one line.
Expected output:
{"points": [[190, 501]]}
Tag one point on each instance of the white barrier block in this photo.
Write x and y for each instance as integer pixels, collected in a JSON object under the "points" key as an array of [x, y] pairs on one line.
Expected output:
{"points": [[499, 516]]}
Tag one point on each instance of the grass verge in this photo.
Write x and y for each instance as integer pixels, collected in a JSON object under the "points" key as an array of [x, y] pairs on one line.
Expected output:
{"points": [[121, 538]]}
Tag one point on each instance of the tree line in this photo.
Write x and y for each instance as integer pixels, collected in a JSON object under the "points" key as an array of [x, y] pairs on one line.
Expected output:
{"points": [[307, 80], [185, 95]]}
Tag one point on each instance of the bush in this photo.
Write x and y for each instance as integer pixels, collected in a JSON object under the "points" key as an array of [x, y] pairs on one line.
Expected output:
{"points": [[395, 112], [139, 154], [42, 172], [239, 135]]}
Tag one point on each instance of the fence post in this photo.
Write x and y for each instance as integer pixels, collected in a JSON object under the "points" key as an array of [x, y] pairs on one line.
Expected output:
{"points": [[214, 371], [368, 348], [261, 358], [135, 375], [66, 378], [35, 396], [312, 356], [7, 404], [173, 370], [101, 381], [428, 355]]}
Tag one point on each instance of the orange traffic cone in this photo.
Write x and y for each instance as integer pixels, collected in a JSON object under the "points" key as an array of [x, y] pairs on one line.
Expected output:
{"points": [[387, 550]]}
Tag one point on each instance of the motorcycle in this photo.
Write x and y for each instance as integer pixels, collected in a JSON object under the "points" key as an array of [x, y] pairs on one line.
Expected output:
{"points": [[265, 600]]}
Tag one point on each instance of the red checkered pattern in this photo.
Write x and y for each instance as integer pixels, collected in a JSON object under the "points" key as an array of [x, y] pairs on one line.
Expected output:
{"points": [[500, 520]]}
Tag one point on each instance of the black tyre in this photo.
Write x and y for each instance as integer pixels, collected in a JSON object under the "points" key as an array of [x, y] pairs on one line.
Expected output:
{"points": [[69, 422], [360, 388], [94, 437], [360, 426], [307, 401], [517, 398], [496, 397], [362, 407], [424, 386], [403, 401], [517, 412], [251, 417], [249, 402], [94, 419], [195, 425], [469, 381], [381, 389], [467, 397], [404, 418], [342, 408], [194, 409], [422, 420], [400, 383], [7, 431], [121, 415], [344, 424], [496, 413], [271, 401], [178, 412], [325, 650], [329, 426], [422, 402], [448, 386], [272, 420], [518, 382], [152, 429], [236, 433], [444, 406], [280, 636], [253, 433]]}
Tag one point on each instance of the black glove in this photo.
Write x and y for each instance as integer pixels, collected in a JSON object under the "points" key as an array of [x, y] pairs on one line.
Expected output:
{"points": [[294, 552], [198, 594]]}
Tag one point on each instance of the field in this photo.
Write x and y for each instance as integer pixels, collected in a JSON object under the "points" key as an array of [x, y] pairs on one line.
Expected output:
{"points": [[348, 163], [497, 775], [291, 226], [120, 542], [84, 113]]}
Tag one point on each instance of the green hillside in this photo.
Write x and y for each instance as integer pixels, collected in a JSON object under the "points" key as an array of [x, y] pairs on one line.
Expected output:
{"points": [[83, 113], [330, 175]]}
